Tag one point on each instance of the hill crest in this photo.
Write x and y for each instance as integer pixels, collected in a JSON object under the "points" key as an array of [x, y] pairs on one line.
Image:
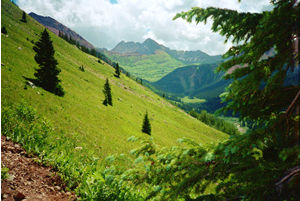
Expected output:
{"points": [[55, 26], [80, 114]]}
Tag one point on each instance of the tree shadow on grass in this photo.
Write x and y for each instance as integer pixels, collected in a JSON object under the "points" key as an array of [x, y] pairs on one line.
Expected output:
{"points": [[36, 83]]}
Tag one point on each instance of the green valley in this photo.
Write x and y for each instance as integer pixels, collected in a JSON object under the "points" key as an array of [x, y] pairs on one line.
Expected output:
{"points": [[150, 67], [80, 114], [152, 61], [106, 125]]}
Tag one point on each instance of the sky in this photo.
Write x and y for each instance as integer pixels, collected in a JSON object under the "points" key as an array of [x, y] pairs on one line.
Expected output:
{"points": [[105, 23]]}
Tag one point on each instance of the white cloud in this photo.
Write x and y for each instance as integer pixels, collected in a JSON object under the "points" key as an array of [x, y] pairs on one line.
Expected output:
{"points": [[105, 24]]}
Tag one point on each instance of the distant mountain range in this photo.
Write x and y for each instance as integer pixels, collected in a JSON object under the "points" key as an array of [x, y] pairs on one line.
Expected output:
{"points": [[152, 61], [57, 27], [150, 46]]}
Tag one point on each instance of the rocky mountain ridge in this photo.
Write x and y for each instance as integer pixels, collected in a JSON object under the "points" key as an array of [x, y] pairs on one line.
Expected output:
{"points": [[57, 27], [149, 46]]}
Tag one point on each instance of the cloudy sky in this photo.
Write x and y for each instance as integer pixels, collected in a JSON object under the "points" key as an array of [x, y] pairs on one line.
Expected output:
{"points": [[104, 23]]}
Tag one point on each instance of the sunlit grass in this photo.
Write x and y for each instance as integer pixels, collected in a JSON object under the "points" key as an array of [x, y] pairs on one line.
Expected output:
{"points": [[80, 114], [149, 67], [186, 99]]}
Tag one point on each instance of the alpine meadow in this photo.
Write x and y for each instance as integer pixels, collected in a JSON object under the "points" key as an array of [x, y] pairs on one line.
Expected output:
{"points": [[107, 123]]}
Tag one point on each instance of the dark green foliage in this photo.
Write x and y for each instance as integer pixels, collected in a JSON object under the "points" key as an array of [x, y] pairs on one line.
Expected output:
{"points": [[72, 41], [262, 164], [24, 17], [93, 52], [3, 30], [215, 122], [261, 61], [117, 72], [48, 71], [67, 38], [146, 125], [107, 94], [139, 80], [259, 65]]}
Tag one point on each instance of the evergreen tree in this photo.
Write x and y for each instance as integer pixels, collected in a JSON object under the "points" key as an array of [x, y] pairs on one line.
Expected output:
{"points": [[262, 164], [24, 17], [265, 54], [146, 125], [107, 94], [48, 71], [60, 34], [117, 72], [259, 88], [93, 52], [81, 68], [3, 30]]}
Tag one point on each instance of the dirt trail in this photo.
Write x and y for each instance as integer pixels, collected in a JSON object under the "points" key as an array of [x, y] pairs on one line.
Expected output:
{"points": [[29, 180]]}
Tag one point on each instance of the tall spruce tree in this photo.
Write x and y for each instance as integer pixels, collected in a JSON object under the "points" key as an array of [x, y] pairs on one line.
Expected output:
{"points": [[24, 17], [117, 72], [262, 164], [48, 71], [262, 64], [107, 93], [146, 128]]}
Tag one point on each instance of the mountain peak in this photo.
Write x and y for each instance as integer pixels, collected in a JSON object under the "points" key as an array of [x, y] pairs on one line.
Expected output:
{"points": [[150, 46], [149, 40]]}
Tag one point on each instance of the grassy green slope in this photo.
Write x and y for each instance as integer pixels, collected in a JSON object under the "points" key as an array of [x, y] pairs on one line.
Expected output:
{"points": [[190, 80], [80, 114], [150, 67]]}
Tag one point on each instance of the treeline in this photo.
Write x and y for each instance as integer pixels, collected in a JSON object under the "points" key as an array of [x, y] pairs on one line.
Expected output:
{"points": [[215, 122], [211, 105], [99, 55], [93, 52]]}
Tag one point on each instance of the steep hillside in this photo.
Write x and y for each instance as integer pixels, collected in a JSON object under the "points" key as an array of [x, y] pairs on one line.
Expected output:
{"points": [[56, 26], [80, 114], [151, 61], [149, 67], [193, 80]]}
